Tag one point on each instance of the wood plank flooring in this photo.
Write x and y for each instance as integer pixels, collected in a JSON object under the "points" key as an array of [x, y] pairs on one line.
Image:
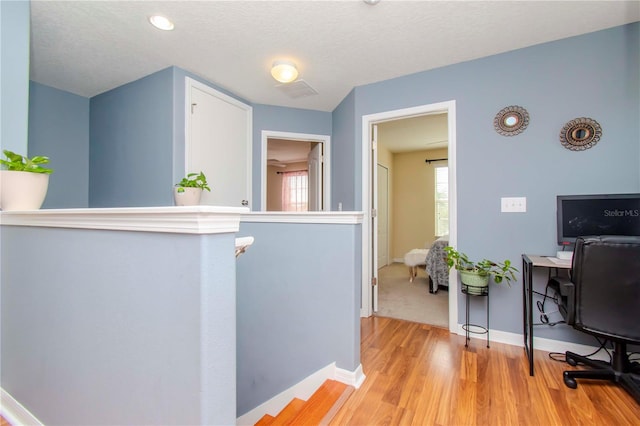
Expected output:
{"points": [[423, 375]]}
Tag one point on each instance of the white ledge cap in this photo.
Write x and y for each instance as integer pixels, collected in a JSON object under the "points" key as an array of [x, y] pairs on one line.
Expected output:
{"points": [[170, 219]]}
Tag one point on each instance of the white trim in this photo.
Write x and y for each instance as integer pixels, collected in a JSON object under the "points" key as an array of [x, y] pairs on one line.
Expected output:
{"points": [[302, 137], [350, 378], [367, 121], [14, 412], [189, 83], [183, 220], [304, 217], [302, 390], [539, 343]]}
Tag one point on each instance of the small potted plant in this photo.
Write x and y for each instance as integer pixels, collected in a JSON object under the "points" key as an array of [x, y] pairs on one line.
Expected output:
{"points": [[188, 191], [23, 181], [475, 275]]}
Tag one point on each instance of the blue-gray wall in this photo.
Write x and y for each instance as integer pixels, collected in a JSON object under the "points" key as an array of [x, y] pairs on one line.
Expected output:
{"points": [[593, 75], [119, 328], [131, 148], [59, 129], [298, 293], [14, 76], [345, 180], [280, 119]]}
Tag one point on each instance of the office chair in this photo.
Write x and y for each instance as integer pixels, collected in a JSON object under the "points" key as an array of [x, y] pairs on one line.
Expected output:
{"points": [[602, 298]]}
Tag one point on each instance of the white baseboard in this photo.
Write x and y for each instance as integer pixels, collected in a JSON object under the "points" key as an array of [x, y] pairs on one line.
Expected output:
{"points": [[14, 412], [539, 343], [302, 390]]}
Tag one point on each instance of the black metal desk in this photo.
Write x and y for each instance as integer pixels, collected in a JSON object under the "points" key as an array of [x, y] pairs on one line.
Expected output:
{"points": [[529, 262]]}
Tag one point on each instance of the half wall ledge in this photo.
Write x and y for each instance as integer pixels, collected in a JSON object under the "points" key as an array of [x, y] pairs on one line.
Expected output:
{"points": [[171, 219]]}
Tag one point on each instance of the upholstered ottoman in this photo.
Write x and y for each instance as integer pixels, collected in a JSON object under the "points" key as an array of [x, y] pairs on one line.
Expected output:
{"points": [[413, 259]]}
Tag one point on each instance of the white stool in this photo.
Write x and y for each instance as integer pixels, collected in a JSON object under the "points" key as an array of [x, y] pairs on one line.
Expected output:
{"points": [[413, 259]]}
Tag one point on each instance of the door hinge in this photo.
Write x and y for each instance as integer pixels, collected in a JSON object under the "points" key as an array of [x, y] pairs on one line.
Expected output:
{"points": [[374, 145], [193, 106], [374, 281], [374, 213]]}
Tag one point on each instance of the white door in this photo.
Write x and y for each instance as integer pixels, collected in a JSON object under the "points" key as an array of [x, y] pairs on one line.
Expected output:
{"points": [[314, 162], [383, 216], [374, 216], [218, 143]]}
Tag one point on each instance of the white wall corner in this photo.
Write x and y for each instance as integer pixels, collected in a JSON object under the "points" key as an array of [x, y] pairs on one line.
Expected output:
{"points": [[351, 378], [14, 412]]}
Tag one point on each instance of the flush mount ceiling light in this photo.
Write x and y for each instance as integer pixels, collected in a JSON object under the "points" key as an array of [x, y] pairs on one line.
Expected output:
{"points": [[284, 71], [161, 22], [371, 2]]}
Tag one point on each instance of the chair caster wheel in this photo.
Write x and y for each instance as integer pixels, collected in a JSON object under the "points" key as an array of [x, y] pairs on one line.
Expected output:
{"points": [[570, 382], [572, 362]]}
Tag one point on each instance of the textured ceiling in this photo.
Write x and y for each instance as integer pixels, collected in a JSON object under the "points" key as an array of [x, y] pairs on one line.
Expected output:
{"points": [[88, 47]]}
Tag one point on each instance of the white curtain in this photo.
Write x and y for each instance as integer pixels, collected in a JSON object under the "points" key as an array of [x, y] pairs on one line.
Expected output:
{"points": [[295, 191]]}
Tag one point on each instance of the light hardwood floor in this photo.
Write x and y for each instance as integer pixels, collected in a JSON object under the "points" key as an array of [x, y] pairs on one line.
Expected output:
{"points": [[423, 375]]}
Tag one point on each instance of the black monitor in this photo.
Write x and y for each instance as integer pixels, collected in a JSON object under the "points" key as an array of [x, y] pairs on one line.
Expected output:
{"points": [[605, 214]]}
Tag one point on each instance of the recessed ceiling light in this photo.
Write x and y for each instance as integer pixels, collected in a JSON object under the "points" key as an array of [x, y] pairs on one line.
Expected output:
{"points": [[161, 22]]}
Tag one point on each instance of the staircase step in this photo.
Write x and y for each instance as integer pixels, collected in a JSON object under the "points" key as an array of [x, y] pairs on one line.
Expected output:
{"points": [[265, 420], [323, 404], [289, 412]]}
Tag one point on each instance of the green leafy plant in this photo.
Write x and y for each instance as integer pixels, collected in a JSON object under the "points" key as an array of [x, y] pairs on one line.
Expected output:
{"points": [[500, 271], [19, 163], [193, 180]]}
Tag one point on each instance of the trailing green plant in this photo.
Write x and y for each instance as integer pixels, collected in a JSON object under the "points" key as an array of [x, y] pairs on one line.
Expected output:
{"points": [[193, 180], [19, 163], [500, 271]]}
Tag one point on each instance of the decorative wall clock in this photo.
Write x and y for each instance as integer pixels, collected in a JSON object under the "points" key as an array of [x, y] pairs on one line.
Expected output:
{"points": [[580, 134], [511, 120]]}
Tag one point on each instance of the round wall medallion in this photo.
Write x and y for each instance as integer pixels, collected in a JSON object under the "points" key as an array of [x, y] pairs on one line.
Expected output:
{"points": [[511, 120], [580, 134]]}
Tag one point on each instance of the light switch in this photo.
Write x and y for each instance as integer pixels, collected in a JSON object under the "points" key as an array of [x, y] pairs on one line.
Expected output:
{"points": [[513, 204]]}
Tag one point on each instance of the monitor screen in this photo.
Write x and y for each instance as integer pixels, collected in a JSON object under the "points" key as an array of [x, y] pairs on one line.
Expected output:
{"points": [[607, 214]]}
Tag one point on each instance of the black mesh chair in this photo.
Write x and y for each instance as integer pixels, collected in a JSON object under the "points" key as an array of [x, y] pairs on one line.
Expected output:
{"points": [[602, 298]]}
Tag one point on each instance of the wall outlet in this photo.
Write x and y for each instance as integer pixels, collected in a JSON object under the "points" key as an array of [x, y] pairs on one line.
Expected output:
{"points": [[513, 204]]}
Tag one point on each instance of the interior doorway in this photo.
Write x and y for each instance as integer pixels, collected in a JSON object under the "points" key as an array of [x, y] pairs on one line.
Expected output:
{"points": [[403, 145], [295, 172], [369, 201]]}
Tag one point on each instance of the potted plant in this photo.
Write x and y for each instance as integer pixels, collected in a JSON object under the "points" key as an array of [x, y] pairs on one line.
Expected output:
{"points": [[475, 275], [23, 181], [188, 191]]}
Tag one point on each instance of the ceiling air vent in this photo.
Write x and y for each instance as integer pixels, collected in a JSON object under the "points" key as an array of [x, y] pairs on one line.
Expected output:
{"points": [[297, 89]]}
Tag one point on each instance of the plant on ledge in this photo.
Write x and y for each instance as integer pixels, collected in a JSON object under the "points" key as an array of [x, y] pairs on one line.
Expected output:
{"points": [[500, 271], [193, 180], [24, 181], [18, 163], [188, 191]]}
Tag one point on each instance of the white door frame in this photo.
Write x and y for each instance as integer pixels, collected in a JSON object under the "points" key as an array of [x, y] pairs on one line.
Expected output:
{"points": [[325, 140], [367, 121]]}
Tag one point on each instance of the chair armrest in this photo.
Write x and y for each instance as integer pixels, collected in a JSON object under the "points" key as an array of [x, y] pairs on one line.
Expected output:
{"points": [[566, 297]]}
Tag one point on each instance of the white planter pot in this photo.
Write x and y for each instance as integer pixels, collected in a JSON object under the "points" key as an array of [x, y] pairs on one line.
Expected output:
{"points": [[187, 196], [22, 190]]}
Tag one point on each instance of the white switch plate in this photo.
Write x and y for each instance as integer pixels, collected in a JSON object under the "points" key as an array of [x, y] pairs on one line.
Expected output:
{"points": [[513, 204]]}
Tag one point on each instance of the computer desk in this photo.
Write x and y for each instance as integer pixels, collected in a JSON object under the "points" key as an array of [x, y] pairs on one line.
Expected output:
{"points": [[529, 262]]}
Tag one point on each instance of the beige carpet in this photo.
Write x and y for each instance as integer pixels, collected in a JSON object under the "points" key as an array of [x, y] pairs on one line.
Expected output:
{"points": [[398, 298]]}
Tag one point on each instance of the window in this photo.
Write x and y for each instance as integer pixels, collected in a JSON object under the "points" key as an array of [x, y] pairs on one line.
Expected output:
{"points": [[295, 191], [442, 200]]}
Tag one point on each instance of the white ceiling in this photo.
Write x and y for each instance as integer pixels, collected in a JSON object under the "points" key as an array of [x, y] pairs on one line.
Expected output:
{"points": [[88, 47], [424, 132]]}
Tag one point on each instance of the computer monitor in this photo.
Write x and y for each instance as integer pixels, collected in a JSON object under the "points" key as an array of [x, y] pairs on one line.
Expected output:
{"points": [[604, 214]]}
